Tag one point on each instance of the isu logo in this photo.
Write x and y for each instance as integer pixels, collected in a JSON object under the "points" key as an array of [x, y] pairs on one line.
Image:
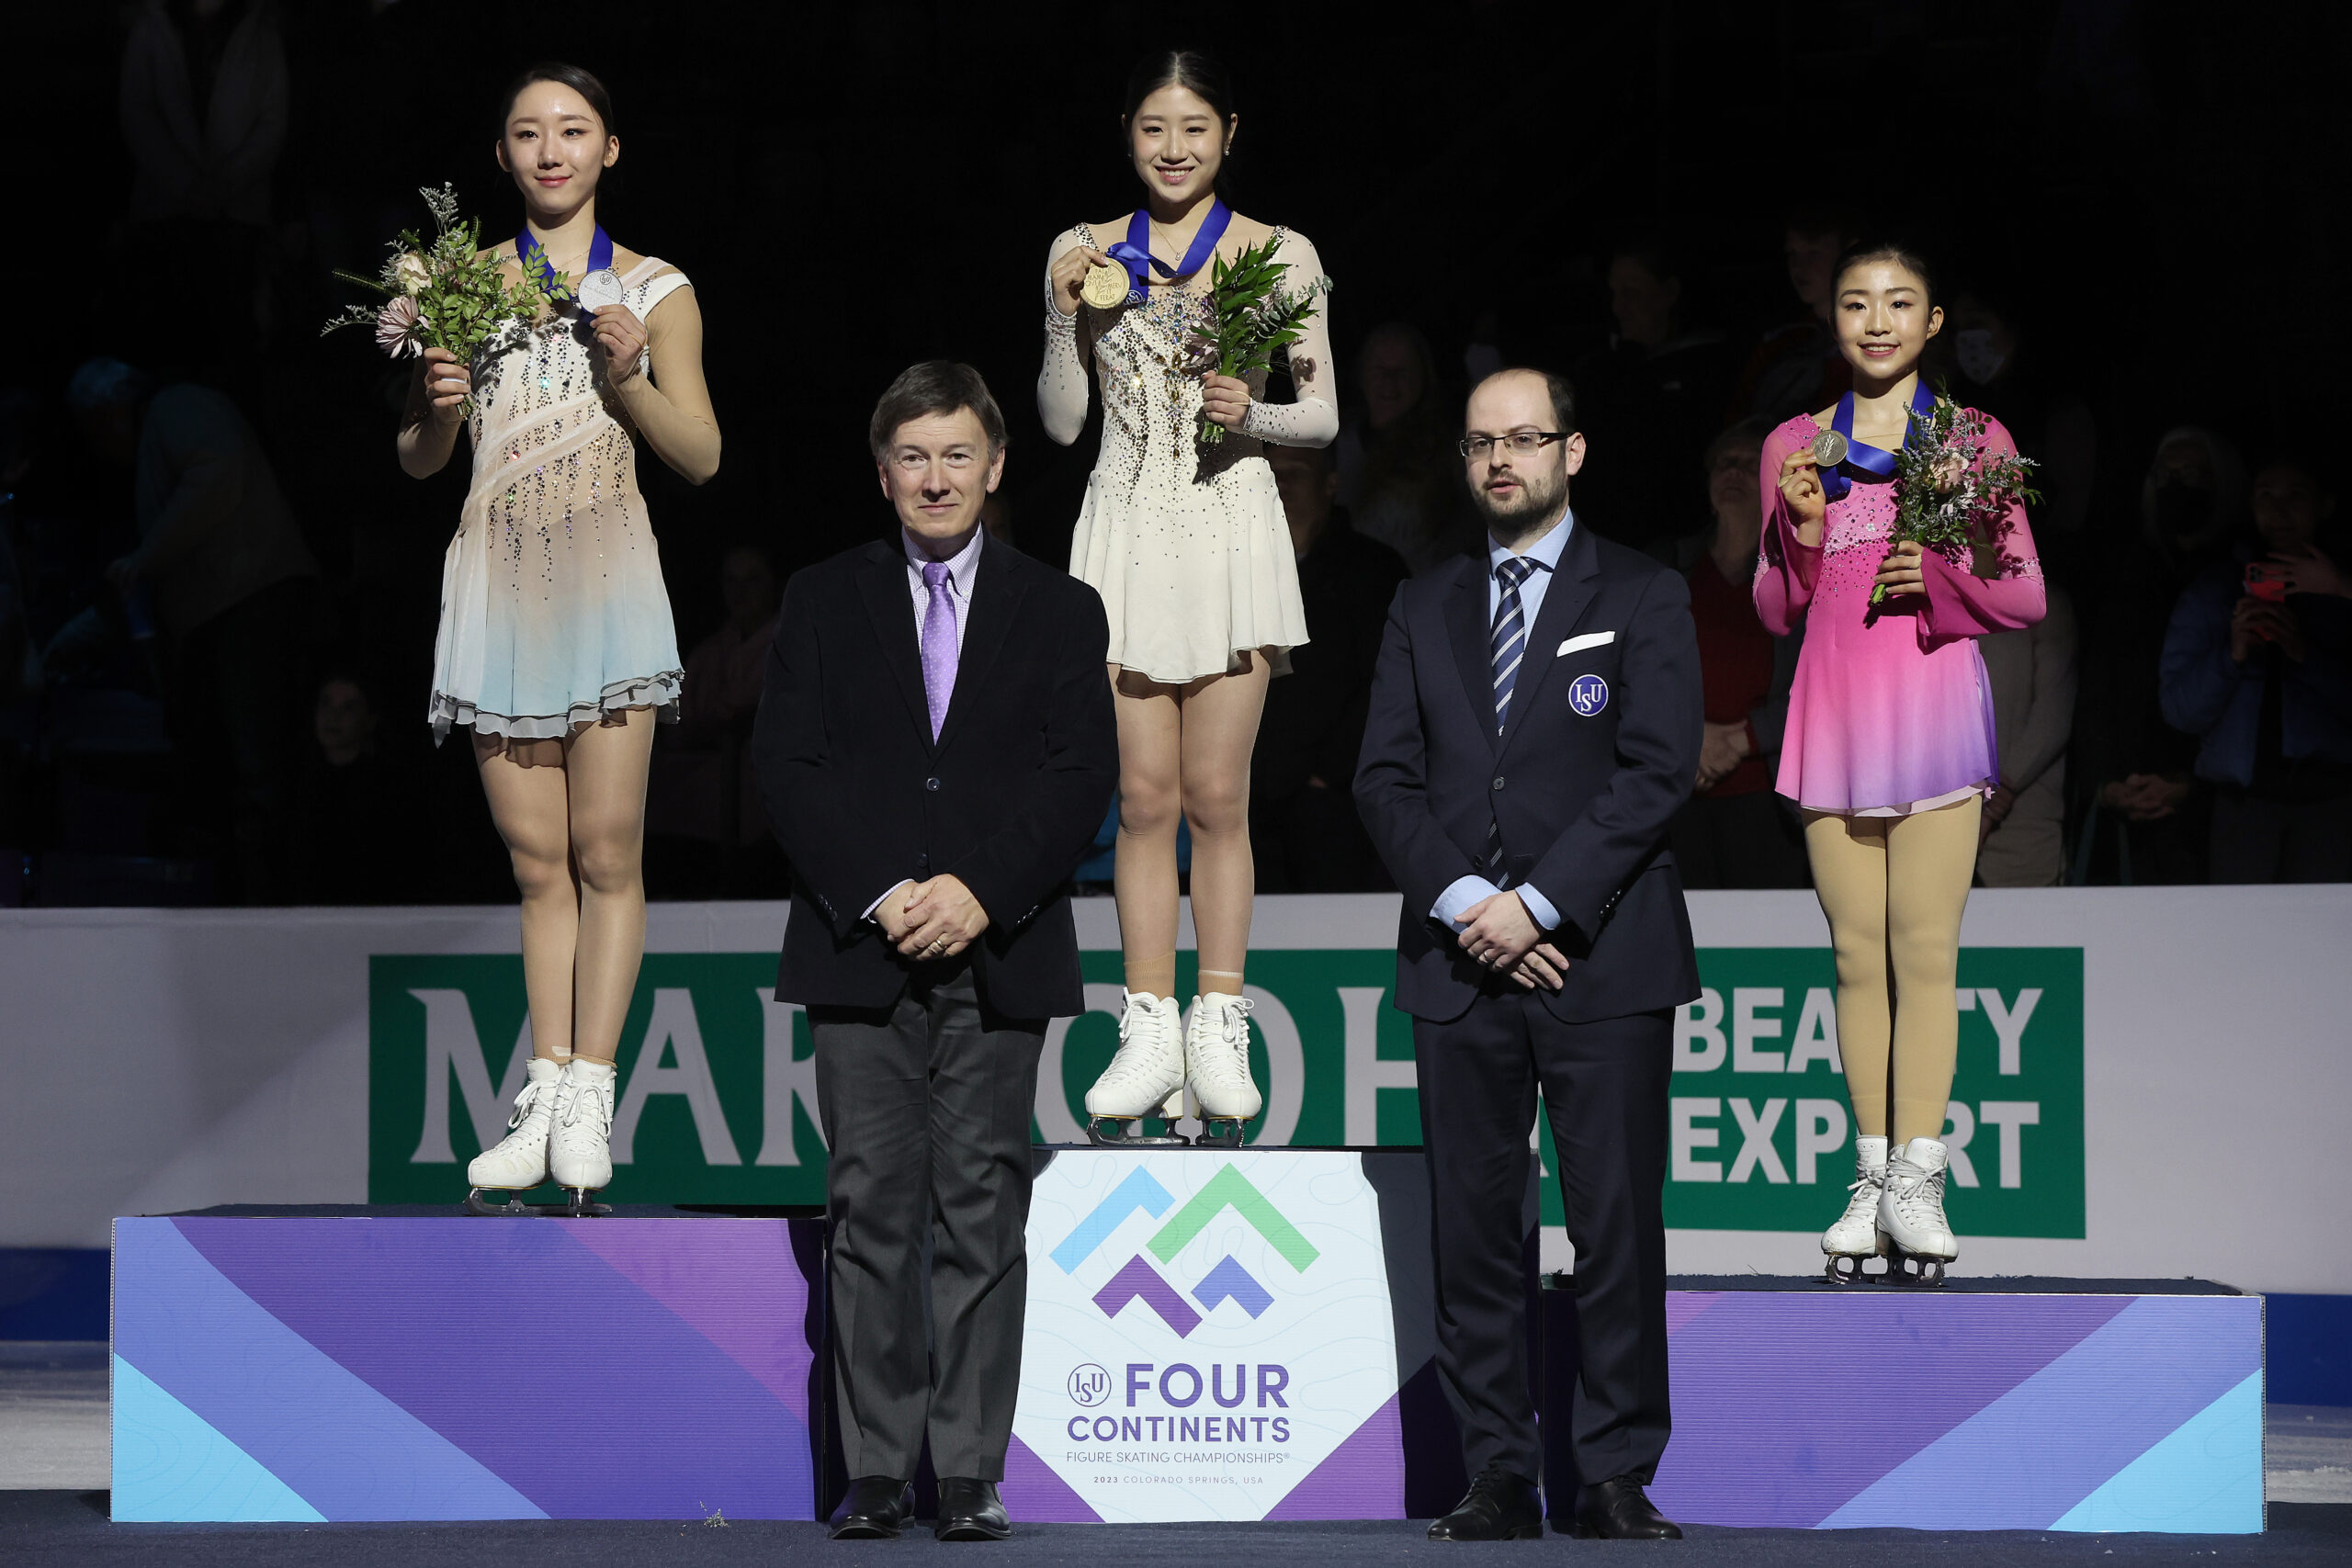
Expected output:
{"points": [[1138, 1280], [1089, 1385]]}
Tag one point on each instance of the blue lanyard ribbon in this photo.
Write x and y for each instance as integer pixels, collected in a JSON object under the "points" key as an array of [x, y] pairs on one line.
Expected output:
{"points": [[1134, 252], [541, 271], [1872, 460]]}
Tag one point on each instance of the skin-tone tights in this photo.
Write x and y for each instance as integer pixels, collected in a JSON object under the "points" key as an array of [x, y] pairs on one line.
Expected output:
{"points": [[1184, 752], [572, 814], [1893, 888]]}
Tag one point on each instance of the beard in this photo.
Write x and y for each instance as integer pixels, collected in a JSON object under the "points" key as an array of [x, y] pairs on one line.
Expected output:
{"points": [[1537, 496]]}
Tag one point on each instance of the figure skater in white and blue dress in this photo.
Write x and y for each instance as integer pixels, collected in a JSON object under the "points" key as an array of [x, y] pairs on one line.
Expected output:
{"points": [[1186, 542], [556, 645]]}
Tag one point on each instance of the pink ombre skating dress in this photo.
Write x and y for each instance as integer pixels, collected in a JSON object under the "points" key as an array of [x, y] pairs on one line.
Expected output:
{"points": [[1891, 713]]}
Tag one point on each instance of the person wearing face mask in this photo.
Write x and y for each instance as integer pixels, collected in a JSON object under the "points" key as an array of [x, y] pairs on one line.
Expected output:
{"points": [[2257, 665], [2144, 813], [1396, 452], [556, 647], [1186, 542], [1889, 751], [935, 745], [1732, 831], [1999, 373]]}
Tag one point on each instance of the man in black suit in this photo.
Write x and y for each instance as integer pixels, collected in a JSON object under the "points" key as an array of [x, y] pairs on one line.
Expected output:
{"points": [[1535, 723], [935, 747]]}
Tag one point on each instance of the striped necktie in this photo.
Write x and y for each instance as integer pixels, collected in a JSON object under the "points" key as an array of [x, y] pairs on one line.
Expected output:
{"points": [[1506, 648]]}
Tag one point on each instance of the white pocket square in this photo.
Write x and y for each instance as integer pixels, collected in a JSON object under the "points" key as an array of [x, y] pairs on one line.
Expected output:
{"points": [[1589, 640]]}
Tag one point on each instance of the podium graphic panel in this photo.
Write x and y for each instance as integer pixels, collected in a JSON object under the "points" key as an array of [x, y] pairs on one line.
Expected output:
{"points": [[331, 1369], [1209, 1336]]}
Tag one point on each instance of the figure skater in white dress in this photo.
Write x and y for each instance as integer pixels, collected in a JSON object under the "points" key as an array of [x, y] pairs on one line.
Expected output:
{"points": [[1187, 544], [556, 645]]}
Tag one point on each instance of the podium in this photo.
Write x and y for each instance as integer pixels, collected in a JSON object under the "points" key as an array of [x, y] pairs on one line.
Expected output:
{"points": [[1212, 1334]]}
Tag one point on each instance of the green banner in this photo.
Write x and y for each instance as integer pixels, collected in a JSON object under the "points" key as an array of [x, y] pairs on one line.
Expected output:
{"points": [[718, 1098]]}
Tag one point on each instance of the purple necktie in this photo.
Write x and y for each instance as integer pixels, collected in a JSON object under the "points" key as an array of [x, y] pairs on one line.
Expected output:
{"points": [[938, 644]]}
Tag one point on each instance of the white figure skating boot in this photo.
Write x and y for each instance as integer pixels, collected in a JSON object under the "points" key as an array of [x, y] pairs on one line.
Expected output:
{"points": [[1145, 1077], [579, 1153], [519, 1161], [1911, 1213], [1216, 1063], [1856, 1235]]}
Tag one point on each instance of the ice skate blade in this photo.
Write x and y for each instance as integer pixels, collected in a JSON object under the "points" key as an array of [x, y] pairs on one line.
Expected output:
{"points": [[1221, 1132], [1853, 1273], [513, 1206], [1106, 1133], [580, 1208], [1917, 1273]]}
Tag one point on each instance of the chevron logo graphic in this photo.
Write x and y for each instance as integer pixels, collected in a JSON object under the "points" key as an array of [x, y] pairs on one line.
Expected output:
{"points": [[1138, 1280]]}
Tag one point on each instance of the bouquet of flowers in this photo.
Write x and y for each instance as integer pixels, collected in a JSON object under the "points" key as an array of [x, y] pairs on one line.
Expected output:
{"points": [[1950, 492], [449, 293], [1251, 317]]}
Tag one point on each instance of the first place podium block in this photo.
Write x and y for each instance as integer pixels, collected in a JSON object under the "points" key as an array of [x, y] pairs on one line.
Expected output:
{"points": [[362, 1366]]}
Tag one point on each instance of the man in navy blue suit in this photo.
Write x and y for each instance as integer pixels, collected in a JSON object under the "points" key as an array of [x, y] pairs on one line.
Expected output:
{"points": [[1535, 724]]}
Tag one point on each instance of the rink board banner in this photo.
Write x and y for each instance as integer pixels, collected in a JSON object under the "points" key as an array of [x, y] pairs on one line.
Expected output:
{"points": [[2103, 1414], [333, 1369], [1209, 1336], [717, 1103]]}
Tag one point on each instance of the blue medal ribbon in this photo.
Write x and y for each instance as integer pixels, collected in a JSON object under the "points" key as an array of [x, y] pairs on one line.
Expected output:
{"points": [[1134, 252], [537, 267], [1875, 461]]}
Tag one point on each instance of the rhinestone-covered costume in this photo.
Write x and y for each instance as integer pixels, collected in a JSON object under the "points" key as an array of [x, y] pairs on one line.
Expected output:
{"points": [[553, 612], [1891, 713], [1186, 543]]}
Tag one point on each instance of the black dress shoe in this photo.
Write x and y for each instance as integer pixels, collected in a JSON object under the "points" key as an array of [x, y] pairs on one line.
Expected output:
{"points": [[1620, 1510], [877, 1509], [970, 1510], [1498, 1507]]}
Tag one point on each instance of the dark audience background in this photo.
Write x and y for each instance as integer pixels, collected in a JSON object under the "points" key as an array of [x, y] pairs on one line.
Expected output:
{"points": [[2141, 191]]}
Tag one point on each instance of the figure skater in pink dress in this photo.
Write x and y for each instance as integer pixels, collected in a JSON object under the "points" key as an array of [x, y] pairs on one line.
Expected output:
{"points": [[1889, 752]]}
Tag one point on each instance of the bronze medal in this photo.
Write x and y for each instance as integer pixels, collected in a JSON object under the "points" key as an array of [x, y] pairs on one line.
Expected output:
{"points": [[1104, 286], [1828, 449]]}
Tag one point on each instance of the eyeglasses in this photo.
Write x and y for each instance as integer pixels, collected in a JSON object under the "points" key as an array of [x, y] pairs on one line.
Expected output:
{"points": [[1520, 442]]}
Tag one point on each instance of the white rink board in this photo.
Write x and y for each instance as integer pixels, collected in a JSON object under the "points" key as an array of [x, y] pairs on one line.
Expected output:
{"points": [[163, 1060]]}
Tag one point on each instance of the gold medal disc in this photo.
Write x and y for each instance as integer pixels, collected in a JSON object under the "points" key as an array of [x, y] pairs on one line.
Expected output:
{"points": [[1828, 449], [1104, 286]]}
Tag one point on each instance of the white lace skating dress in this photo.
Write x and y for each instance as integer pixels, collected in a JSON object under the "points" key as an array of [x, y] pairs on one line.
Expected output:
{"points": [[553, 611], [1186, 543]]}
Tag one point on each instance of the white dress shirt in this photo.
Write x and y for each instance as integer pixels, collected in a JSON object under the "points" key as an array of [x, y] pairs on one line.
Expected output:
{"points": [[962, 568], [1465, 891]]}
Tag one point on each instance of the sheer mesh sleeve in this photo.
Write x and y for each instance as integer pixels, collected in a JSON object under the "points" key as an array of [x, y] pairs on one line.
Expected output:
{"points": [[1061, 383], [1314, 419]]}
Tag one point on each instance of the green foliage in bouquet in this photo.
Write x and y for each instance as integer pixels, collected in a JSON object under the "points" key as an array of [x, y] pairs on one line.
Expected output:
{"points": [[1251, 319], [449, 293], [1950, 490]]}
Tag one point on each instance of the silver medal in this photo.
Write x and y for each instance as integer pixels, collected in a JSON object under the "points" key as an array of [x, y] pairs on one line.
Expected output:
{"points": [[599, 289], [1828, 449]]}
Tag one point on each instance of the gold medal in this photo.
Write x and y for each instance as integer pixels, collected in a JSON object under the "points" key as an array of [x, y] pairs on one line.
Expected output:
{"points": [[1828, 449], [1104, 286]]}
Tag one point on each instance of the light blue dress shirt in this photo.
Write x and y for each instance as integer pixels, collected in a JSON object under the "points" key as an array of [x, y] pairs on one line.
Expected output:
{"points": [[1465, 891]]}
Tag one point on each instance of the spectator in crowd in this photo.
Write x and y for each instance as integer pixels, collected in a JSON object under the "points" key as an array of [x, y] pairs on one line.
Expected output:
{"points": [[202, 103], [231, 582], [2032, 676], [702, 787], [1734, 832], [2146, 821], [1797, 369], [2258, 666], [1399, 476], [349, 839], [1999, 373], [1649, 400], [1303, 823]]}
